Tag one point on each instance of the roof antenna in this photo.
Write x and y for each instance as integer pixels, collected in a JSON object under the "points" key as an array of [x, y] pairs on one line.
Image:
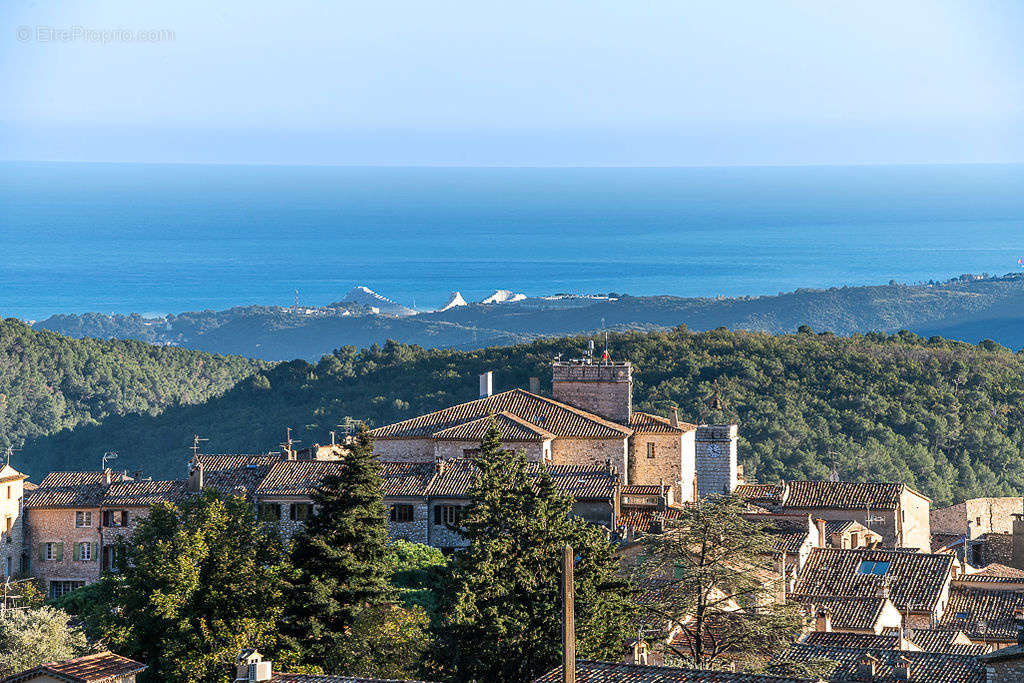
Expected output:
{"points": [[195, 445], [109, 455], [9, 453]]}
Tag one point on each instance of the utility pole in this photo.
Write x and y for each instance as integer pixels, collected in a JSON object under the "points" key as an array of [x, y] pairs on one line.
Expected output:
{"points": [[568, 617]]}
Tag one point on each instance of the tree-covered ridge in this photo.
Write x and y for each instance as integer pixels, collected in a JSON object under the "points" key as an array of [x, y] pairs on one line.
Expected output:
{"points": [[49, 382], [944, 417]]}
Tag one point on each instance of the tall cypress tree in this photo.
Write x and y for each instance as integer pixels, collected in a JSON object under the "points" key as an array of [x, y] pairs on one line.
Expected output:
{"points": [[505, 590], [340, 559]]}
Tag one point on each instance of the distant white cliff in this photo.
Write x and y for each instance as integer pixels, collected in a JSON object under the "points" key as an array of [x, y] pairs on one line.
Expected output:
{"points": [[454, 301], [367, 297], [503, 296]]}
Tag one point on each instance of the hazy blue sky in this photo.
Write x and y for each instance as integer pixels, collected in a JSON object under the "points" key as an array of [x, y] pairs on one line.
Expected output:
{"points": [[525, 82]]}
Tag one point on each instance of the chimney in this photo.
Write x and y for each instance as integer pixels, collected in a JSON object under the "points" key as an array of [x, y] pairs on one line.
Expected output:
{"points": [[823, 541], [250, 667], [535, 385], [823, 621], [640, 653], [195, 477], [901, 669], [866, 667], [486, 384], [658, 523], [106, 476], [673, 416], [568, 617], [438, 464]]}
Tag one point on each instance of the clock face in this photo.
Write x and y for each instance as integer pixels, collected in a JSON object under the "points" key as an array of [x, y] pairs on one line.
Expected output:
{"points": [[714, 449]]}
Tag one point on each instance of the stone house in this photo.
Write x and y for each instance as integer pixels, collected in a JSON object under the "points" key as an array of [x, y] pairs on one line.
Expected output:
{"points": [[74, 520], [589, 420], [102, 667], [877, 665], [1005, 665], [977, 516], [895, 511], [12, 492]]}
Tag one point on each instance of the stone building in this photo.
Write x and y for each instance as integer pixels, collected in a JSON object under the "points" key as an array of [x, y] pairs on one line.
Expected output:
{"points": [[589, 420], [977, 516], [12, 491], [74, 520], [895, 511]]}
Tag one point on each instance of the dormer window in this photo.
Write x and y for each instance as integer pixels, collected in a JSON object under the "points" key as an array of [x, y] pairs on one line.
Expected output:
{"points": [[870, 567]]}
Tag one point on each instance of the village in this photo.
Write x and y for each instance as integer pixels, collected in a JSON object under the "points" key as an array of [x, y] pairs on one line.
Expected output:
{"points": [[888, 587]]}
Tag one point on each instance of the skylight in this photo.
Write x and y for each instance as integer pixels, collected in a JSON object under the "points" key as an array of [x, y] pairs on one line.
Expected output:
{"points": [[874, 568]]}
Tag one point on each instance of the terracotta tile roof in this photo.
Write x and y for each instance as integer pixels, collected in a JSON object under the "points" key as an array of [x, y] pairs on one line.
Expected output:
{"points": [[994, 573], [646, 423], [579, 481], [982, 613], [766, 494], [512, 428], [296, 477], [8, 473], [837, 526], [941, 541], [226, 473], [936, 640], [788, 532], [914, 580], [144, 493], [560, 419], [406, 478], [640, 520], [848, 613], [611, 672], [104, 666], [313, 678], [933, 667], [844, 495], [642, 490], [858, 640], [69, 496]]}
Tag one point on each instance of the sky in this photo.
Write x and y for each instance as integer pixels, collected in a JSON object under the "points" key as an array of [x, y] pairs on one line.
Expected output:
{"points": [[482, 82]]}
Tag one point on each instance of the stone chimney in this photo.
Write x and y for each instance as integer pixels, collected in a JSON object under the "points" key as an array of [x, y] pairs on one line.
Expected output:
{"points": [[640, 653], [107, 475], [823, 540], [673, 416], [901, 669], [604, 389], [486, 384], [535, 385], [195, 477], [823, 621], [866, 668]]}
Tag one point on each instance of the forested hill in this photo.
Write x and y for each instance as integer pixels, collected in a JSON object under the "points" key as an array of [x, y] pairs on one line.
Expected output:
{"points": [[944, 417], [49, 382], [969, 308]]}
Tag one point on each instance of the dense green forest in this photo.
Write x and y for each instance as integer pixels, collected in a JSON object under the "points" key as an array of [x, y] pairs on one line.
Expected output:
{"points": [[944, 417], [969, 307], [50, 383]]}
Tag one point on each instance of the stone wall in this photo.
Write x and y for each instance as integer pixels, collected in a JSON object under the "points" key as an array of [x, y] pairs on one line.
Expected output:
{"points": [[1009, 670], [404, 450], [593, 452], [986, 515], [666, 466], [915, 522], [534, 450], [58, 526], [605, 390], [11, 542], [415, 531], [716, 459]]}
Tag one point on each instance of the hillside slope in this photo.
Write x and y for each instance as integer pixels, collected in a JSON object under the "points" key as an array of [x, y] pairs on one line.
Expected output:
{"points": [[49, 382], [944, 417], [969, 308]]}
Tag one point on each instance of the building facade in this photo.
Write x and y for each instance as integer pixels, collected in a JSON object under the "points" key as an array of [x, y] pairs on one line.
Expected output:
{"points": [[12, 492]]}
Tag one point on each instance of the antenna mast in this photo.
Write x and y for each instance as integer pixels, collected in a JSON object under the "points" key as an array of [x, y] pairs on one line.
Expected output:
{"points": [[195, 445], [109, 455]]}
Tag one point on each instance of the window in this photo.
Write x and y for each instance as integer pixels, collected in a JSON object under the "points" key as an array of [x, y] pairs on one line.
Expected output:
{"points": [[111, 556], [470, 452], [650, 449], [875, 568], [5, 568], [270, 512], [83, 518], [84, 552], [448, 515], [8, 524], [61, 588], [854, 540], [52, 551], [300, 512], [8, 493], [401, 513], [979, 521], [115, 518]]}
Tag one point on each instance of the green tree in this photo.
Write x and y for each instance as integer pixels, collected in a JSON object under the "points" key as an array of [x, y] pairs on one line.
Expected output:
{"points": [[340, 559], [505, 590], [199, 582], [715, 578], [31, 637]]}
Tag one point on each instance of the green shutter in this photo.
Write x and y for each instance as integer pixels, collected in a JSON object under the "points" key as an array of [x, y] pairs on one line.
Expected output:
{"points": [[95, 551], [60, 551], [42, 552], [78, 552]]}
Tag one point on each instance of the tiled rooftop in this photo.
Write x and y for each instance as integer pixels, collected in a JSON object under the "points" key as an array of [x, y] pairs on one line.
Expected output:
{"points": [[560, 419], [936, 640], [844, 495], [932, 667], [983, 613], [859, 640], [87, 490], [96, 668], [640, 520], [763, 494], [646, 423], [512, 428], [914, 580], [994, 573], [610, 672], [860, 614]]}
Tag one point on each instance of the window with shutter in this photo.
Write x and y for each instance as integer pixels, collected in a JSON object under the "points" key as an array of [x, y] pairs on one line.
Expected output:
{"points": [[124, 518], [60, 552], [437, 515]]}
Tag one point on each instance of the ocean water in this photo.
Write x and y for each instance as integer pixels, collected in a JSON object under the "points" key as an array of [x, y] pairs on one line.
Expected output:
{"points": [[156, 239]]}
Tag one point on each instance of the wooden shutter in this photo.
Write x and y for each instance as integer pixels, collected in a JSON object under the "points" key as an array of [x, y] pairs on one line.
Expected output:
{"points": [[95, 552], [42, 552], [124, 518], [437, 515], [60, 551], [77, 552]]}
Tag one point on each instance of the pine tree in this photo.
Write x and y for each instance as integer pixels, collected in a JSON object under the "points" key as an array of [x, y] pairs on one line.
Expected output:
{"points": [[340, 559], [505, 591]]}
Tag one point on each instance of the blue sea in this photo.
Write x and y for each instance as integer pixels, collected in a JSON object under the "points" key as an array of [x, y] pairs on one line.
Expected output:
{"points": [[157, 239]]}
